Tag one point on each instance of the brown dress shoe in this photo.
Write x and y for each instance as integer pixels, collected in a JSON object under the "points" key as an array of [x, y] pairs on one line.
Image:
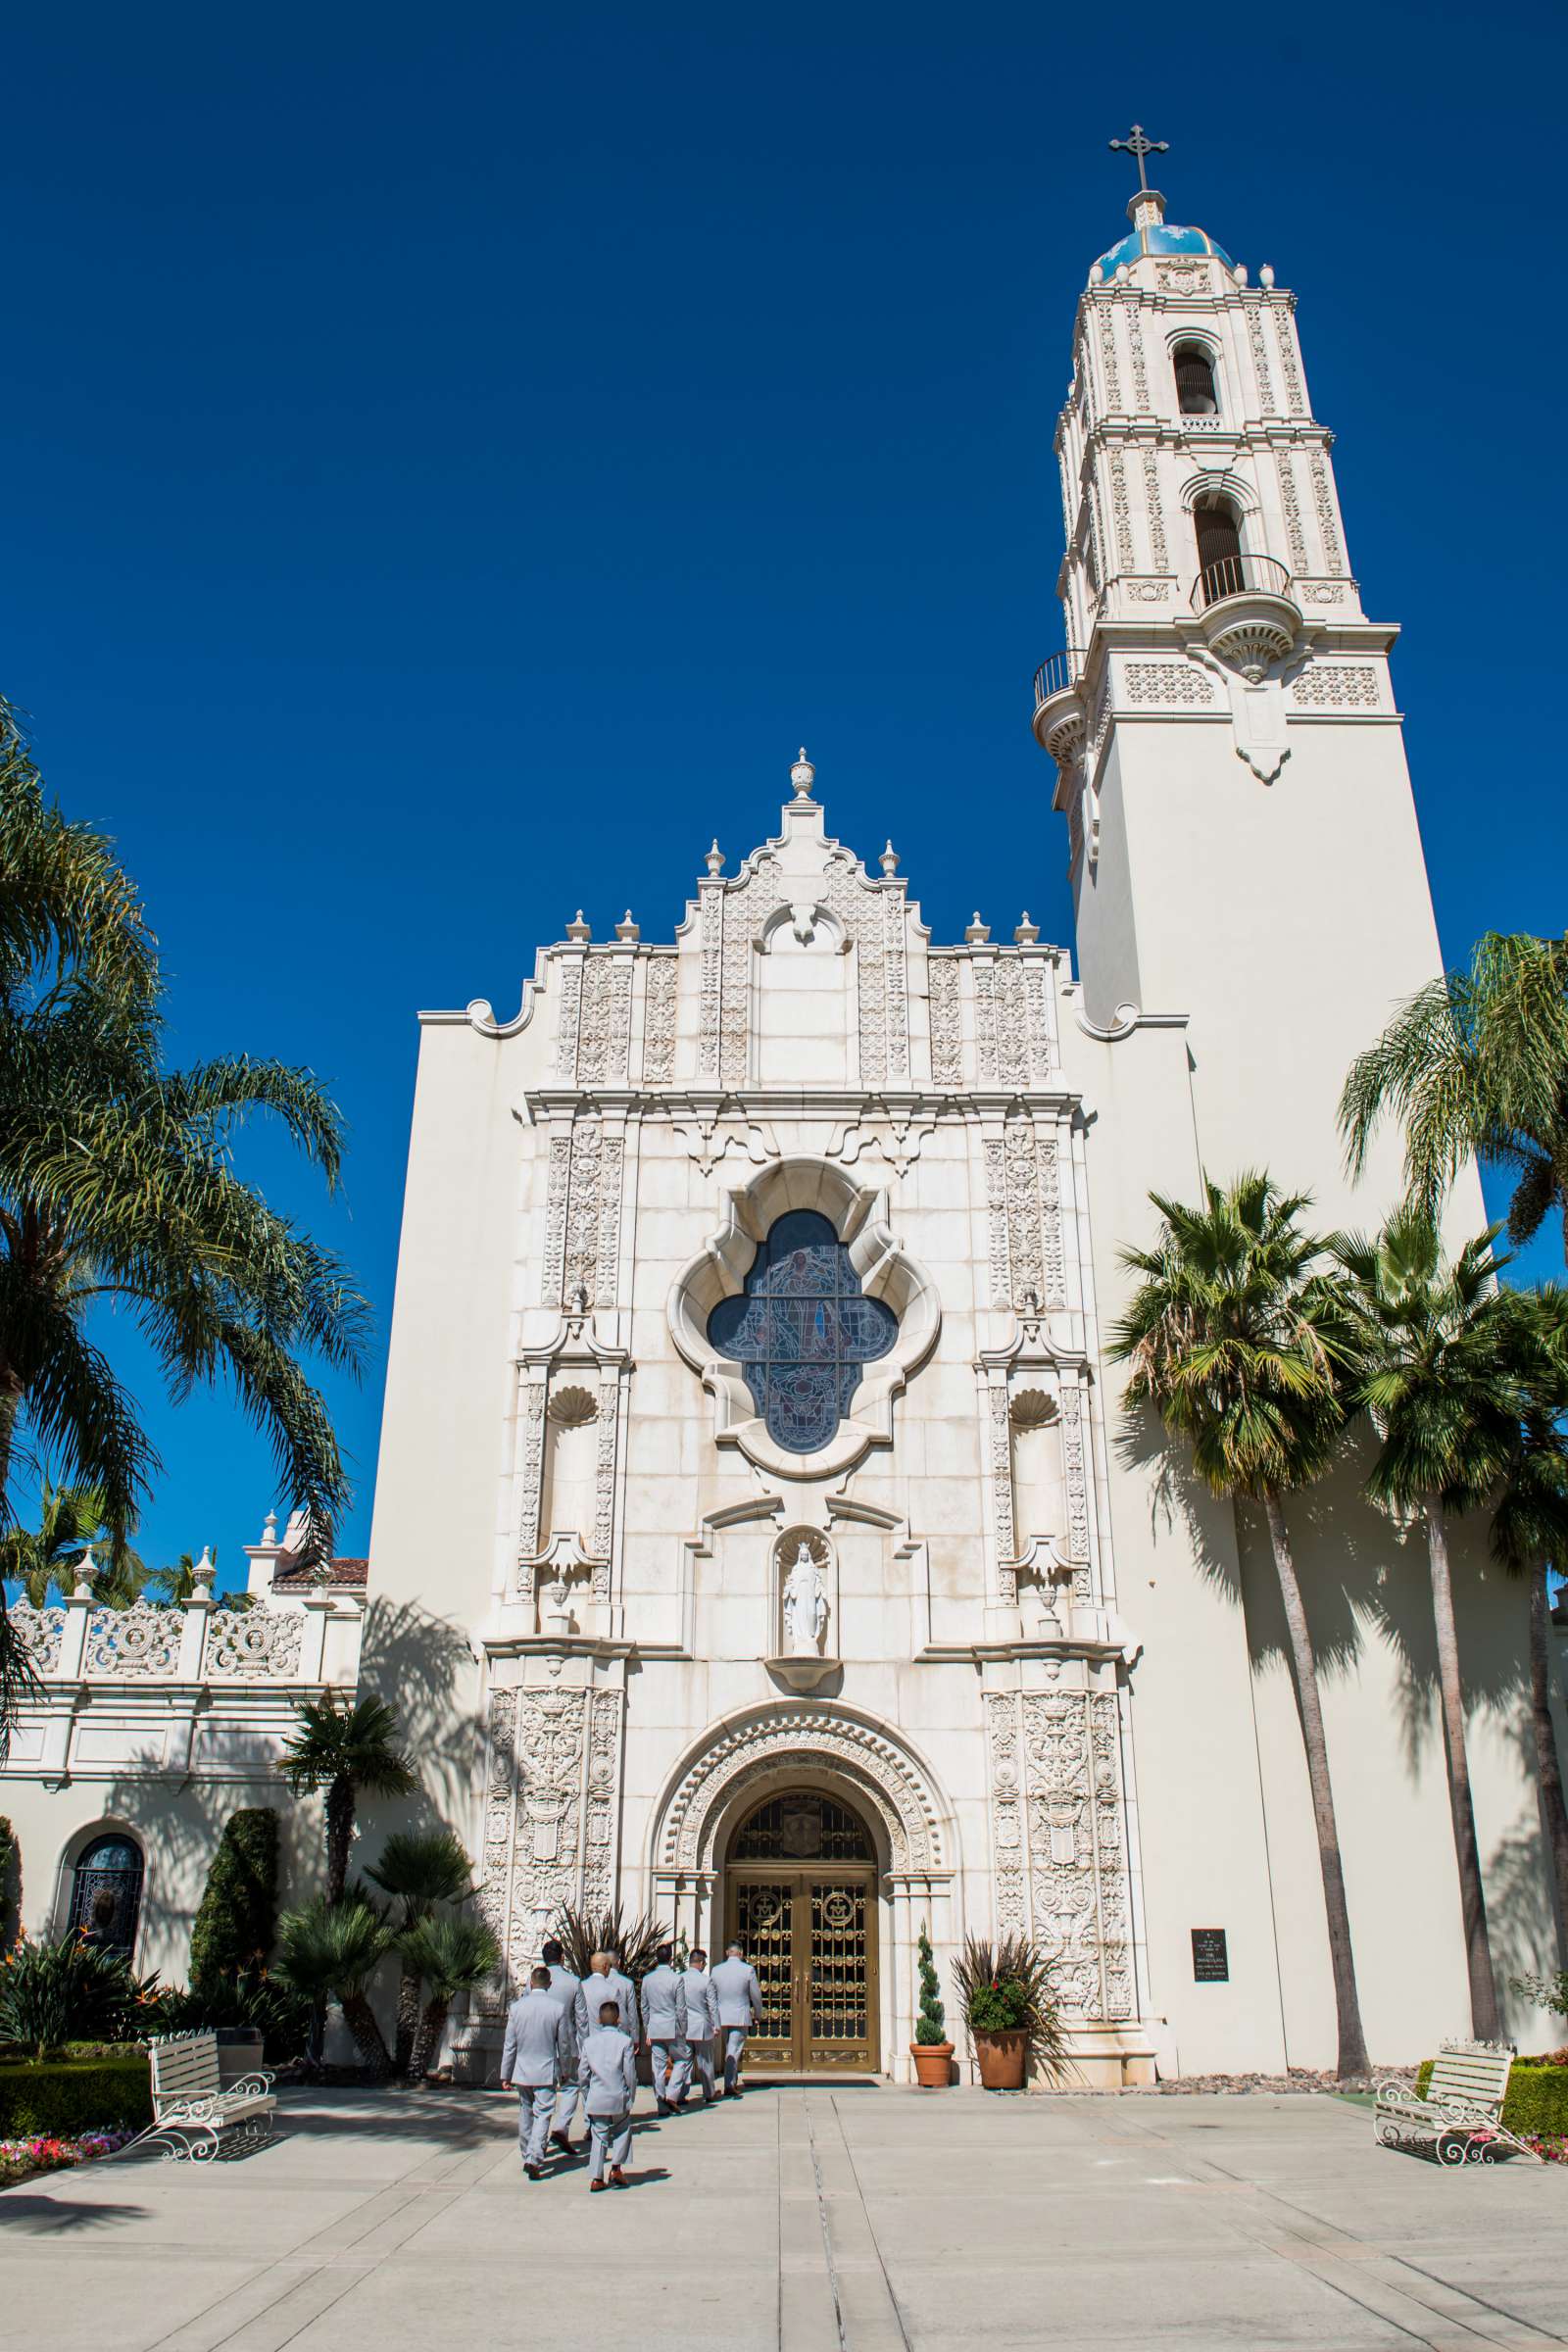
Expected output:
{"points": [[594, 2186], [617, 2176], [535, 2171]]}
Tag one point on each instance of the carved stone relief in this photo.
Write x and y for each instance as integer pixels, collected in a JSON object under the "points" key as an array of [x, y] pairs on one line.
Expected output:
{"points": [[142, 1640], [1167, 682], [1022, 1198], [1158, 551], [659, 1021], [549, 1826], [1121, 511], [254, 1642], [604, 1031], [1259, 348], [1106, 310], [1291, 503], [1328, 526], [582, 1214], [947, 1021], [1284, 336], [39, 1632], [1059, 1840], [1337, 686], [569, 968], [795, 1737], [999, 1441]]}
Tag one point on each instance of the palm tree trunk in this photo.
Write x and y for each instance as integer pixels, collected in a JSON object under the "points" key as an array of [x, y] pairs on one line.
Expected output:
{"points": [[432, 2025], [1484, 2020], [408, 2018], [339, 1835], [359, 2018], [1548, 1765], [1352, 2058]]}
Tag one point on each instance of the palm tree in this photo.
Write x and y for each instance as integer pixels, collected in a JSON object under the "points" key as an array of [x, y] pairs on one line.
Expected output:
{"points": [[1476, 1064], [1237, 1346], [70, 1524], [344, 1746], [451, 1954], [178, 1582], [1439, 1374], [1529, 1528], [332, 1948], [420, 1870]]}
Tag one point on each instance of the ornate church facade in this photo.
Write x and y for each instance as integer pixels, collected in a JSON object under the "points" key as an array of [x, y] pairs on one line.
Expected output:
{"points": [[758, 1541]]}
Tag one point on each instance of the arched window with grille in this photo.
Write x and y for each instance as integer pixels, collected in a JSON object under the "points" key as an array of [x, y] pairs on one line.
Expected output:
{"points": [[1218, 529], [106, 1891], [1197, 392]]}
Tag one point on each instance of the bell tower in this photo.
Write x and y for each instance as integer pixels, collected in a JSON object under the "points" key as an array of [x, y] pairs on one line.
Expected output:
{"points": [[1242, 841]]}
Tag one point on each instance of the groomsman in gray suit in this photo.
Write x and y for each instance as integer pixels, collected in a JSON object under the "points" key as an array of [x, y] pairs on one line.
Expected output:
{"points": [[607, 2071], [701, 2025], [740, 2007], [665, 2025], [532, 2056], [606, 1983], [565, 1988]]}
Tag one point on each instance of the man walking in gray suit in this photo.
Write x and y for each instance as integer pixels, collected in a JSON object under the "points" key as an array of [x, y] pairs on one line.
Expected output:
{"points": [[607, 2071], [740, 2007], [565, 1988], [531, 2057], [665, 2025], [606, 1983], [701, 2025]]}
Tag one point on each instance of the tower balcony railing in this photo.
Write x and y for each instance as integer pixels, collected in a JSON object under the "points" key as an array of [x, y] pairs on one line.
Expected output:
{"points": [[1239, 575], [1059, 713]]}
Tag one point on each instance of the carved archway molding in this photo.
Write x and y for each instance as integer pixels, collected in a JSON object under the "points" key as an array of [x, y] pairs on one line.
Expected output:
{"points": [[745, 1750]]}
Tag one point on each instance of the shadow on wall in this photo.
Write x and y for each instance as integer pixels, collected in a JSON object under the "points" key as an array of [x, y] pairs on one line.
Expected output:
{"points": [[425, 1669]]}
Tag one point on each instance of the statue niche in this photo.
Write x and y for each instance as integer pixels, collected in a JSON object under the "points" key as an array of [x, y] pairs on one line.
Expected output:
{"points": [[1039, 1493], [802, 1603]]}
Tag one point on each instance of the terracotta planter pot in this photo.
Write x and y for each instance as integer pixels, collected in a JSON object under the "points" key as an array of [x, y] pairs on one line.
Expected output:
{"points": [[1001, 2058], [932, 2064]]}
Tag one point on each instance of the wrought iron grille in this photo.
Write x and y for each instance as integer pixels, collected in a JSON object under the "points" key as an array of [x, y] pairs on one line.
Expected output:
{"points": [[803, 1827], [106, 1893]]}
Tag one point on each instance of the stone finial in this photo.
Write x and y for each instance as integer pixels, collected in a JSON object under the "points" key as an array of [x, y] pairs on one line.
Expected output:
{"points": [[889, 861], [1241, 274], [977, 932], [1027, 932], [85, 1575], [1097, 276], [204, 1573], [1265, 276], [1123, 274], [626, 928], [579, 931], [715, 858], [270, 1532], [802, 775]]}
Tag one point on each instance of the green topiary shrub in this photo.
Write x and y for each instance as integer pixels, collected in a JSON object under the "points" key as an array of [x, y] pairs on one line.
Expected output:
{"points": [[1537, 2104], [931, 2026], [237, 1921], [67, 2095]]}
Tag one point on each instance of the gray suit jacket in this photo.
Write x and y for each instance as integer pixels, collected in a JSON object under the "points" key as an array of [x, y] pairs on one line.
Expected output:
{"points": [[536, 2044], [664, 2006], [702, 2005], [607, 2070], [613, 1987], [740, 1996], [564, 1986]]}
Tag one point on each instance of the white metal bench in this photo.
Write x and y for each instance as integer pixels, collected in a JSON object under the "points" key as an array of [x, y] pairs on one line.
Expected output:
{"points": [[1460, 2119], [195, 2114]]}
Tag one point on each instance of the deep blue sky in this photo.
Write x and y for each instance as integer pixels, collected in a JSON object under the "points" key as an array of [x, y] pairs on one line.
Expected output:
{"points": [[452, 457]]}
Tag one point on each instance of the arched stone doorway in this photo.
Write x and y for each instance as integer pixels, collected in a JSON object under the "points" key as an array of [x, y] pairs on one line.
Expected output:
{"points": [[801, 1896], [864, 1767]]}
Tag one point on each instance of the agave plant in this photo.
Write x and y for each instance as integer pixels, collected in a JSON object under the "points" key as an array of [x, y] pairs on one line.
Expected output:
{"points": [[335, 1948], [451, 1954], [1006, 1988], [73, 1990], [636, 1942]]}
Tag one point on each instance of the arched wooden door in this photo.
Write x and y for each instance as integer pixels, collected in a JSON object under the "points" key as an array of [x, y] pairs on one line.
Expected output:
{"points": [[801, 1896]]}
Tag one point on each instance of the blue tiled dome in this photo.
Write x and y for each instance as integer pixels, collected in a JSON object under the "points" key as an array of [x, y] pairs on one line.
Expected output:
{"points": [[1160, 237]]}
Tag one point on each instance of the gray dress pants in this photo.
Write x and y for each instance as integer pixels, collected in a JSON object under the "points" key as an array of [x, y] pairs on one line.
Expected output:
{"points": [[536, 2104], [675, 2056], [698, 2052], [734, 2044], [611, 2135]]}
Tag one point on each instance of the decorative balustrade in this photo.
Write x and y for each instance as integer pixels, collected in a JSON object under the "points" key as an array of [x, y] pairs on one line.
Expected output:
{"points": [[1056, 674], [39, 1632], [196, 1641], [143, 1640], [1239, 575], [254, 1642]]}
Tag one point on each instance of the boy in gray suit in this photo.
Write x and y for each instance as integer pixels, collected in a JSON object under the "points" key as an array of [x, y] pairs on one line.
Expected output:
{"points": [[702, 2026], [740, 2007], [665, 2025], [607, 2070], [531, 2057], [565, 1987]]}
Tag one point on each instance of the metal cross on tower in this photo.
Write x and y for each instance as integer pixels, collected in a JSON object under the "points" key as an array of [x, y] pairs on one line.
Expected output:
{"points": [[1139, 146]]}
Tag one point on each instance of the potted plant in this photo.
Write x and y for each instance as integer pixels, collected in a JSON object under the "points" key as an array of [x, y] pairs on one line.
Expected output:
{"points": [[931, 2049], [1011, 2013]]}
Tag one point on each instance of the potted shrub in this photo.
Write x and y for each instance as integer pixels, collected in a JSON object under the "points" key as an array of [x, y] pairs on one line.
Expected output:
{"points": [[1010, 2011], [931, 2049]]}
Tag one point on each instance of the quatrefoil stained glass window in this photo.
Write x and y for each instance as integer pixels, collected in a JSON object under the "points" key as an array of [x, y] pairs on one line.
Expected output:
{"points": [[802, 1331]]}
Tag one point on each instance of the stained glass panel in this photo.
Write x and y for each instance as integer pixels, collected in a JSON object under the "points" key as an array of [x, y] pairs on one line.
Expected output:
{"points": [[802, 1329]]}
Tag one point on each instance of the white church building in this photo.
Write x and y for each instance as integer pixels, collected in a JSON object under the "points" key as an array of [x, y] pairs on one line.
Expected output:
{"points": [[750, 1463]]}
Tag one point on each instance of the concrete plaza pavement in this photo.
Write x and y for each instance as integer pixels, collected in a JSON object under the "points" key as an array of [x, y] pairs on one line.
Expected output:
{"points": [[833, 2218]]}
